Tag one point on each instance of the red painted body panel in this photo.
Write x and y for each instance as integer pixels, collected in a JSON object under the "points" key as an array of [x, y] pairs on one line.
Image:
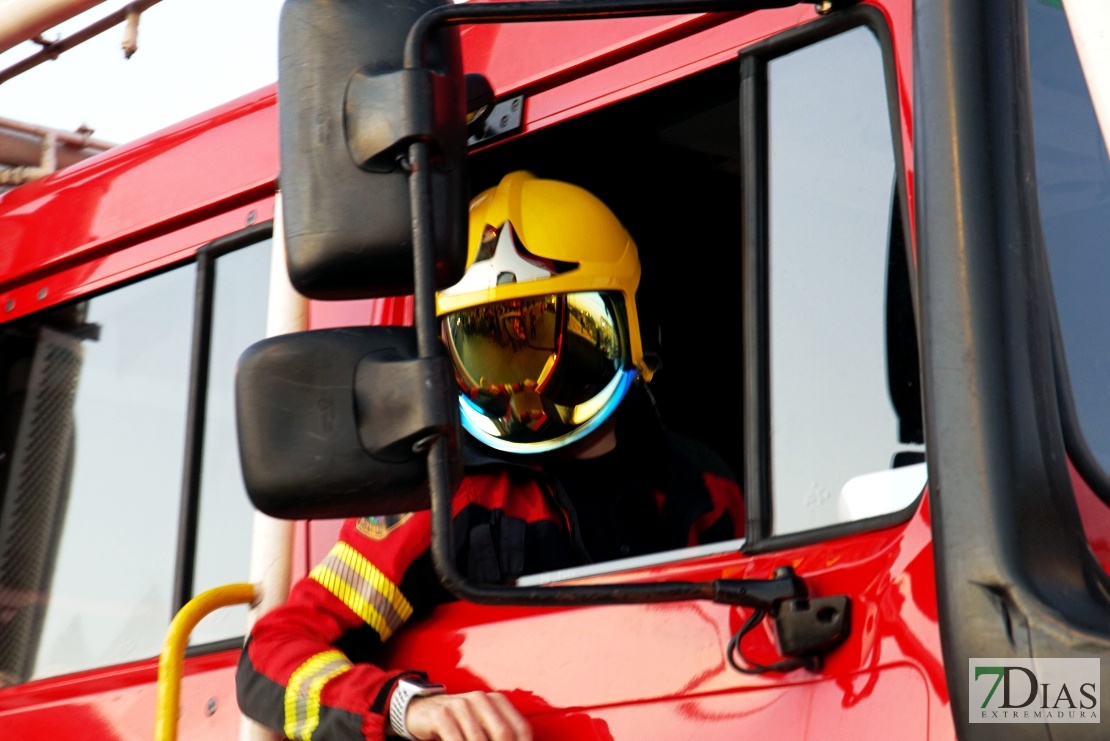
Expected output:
{"points": [[659, 671], [117, 704], [139, 206]]}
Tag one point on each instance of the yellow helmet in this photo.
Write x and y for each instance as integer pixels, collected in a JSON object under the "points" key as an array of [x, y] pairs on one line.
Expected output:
{"points": [[542, 327]]}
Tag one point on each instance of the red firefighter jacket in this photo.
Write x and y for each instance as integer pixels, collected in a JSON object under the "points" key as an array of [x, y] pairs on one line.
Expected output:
{"points": [[308, 667]]}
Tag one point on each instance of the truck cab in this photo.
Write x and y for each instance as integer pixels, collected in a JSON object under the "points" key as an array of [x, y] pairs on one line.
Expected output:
{"points": [[872, 240]]}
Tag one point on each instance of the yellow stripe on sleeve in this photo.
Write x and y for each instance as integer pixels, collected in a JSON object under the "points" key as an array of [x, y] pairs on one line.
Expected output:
{"points": [[302, 696], [363, 588]]}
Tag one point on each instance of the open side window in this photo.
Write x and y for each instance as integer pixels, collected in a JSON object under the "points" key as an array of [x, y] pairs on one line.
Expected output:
{"points": [[667, 163], [110, 407], [835, 427], [827, 379]]}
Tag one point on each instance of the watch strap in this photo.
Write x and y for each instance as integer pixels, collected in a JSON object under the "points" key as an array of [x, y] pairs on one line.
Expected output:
{"points": [[403, 694]]}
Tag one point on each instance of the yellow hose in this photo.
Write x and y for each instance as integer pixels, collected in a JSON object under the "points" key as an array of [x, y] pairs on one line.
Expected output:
{"points": [[173, 651]]}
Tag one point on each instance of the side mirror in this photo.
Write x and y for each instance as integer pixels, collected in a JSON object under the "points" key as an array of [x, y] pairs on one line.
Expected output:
{"points": [[331, 422], [347, 113]]}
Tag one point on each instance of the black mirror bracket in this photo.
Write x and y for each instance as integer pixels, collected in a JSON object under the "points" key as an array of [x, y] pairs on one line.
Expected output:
{"points": [[387, 112], [416, 395], [811, 627], [806, 629]]}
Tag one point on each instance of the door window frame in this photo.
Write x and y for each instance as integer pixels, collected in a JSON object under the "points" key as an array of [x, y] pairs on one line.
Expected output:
{"points": [[755, 245], [188, 520]]}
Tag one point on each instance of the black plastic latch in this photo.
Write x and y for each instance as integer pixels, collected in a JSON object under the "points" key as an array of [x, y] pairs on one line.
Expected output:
{"points": [[811, 627], [806, 627]]}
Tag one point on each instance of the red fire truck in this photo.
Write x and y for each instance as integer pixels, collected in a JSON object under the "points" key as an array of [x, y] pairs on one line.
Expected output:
{"points": [[873, 239]]}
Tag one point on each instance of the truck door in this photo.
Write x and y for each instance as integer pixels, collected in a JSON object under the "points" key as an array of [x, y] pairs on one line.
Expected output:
{"points": [[768, 199]]}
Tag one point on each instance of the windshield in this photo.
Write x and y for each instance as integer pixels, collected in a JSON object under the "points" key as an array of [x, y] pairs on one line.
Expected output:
{"points": [[1073, 188]]}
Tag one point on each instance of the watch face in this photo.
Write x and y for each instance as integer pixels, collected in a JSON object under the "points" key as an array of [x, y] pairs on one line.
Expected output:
{"points": [[426, 688]]}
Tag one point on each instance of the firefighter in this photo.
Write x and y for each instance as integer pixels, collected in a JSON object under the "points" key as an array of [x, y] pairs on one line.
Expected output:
{"points": [[566, 464]]}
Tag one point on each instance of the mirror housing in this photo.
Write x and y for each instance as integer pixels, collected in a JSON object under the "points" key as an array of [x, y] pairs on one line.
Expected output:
{"points": [[331, 422], [347, 113]]}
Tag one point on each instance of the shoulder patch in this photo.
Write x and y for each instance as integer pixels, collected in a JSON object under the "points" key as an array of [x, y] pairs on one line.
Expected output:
{"points": [[378, 527]]}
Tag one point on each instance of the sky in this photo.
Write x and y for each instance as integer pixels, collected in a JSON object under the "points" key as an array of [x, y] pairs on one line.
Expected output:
{"points": [[193, 55]]}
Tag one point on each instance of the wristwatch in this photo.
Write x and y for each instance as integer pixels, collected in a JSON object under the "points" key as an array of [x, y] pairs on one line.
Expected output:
{"points": [[403, 693]]}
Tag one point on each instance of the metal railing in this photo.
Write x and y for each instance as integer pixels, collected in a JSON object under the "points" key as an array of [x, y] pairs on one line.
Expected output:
{"points": [[173, 651]]}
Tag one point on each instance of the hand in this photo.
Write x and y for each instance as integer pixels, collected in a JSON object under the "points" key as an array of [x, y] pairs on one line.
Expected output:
{"points": [[474, 716]]}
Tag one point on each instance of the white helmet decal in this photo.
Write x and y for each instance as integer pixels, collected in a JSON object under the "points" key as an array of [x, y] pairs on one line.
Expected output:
{"points": [[502, 258]]}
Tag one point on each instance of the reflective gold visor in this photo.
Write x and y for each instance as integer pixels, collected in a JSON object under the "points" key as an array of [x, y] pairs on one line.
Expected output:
{"points": [[537, 373]]}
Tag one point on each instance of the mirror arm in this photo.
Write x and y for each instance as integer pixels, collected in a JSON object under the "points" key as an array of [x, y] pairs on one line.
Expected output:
{"points": [[428, 344]]}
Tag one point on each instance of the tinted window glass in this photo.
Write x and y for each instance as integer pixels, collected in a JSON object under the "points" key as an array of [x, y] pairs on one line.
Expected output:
{"points": [[93, 418], [107, 558], [831, 200], [1073, 188]]}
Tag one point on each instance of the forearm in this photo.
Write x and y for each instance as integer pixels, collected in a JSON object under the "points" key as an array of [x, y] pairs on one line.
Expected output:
{"points": [[304, 689]]}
